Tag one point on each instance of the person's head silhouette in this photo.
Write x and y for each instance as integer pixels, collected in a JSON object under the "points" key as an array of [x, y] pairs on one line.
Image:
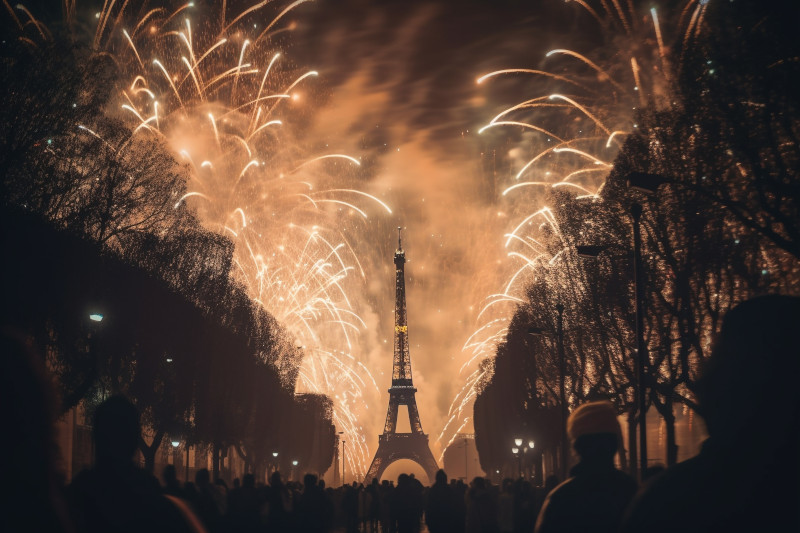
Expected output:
{"points": [[170, 474], [116, 431], [594, 431], [748, 386], [202, 478]]}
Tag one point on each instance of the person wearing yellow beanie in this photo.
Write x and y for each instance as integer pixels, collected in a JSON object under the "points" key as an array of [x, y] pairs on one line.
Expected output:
{"points": [[596, 494]]}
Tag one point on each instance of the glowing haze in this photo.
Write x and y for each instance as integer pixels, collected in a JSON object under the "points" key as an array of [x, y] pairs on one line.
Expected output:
{"points": [[313, 129]]}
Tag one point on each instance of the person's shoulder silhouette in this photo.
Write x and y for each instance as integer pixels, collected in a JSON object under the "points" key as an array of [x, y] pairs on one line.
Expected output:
{"points": [[116, 495], [746, 475], [34, 498]]}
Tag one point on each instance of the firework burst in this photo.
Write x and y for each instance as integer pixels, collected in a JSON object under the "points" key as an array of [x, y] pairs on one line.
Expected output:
{"points": [[220, 92], [572, 128]]}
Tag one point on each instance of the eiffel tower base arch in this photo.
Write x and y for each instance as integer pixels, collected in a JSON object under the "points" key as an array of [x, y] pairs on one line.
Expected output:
{"points": [[396, 446]]}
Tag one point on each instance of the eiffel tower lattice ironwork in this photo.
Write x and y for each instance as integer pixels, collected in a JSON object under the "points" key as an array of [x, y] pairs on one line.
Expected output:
{"points": [[393, 446]]}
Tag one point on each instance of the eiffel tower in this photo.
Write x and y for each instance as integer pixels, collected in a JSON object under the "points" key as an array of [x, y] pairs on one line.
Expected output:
{"points": [[393, 446]]}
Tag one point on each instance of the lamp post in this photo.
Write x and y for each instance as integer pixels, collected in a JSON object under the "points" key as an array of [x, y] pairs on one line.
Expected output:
{"points": [[562, 368], [294, 465], [516, 452], [175, 442], [274, 462], [186, 471], [535, 465], [466, 467], [641, 348], [641, 360], [648, 184], [336, 473], [343, 479]]}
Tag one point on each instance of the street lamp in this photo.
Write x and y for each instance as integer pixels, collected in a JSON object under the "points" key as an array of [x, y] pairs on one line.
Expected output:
{"points": [[294, 464], [466, 465], [562, 370], [96, 317], [518, 442], [591, 251], [641, 348], [336, 459], [648, 184], [343, 442], [516, 452]]}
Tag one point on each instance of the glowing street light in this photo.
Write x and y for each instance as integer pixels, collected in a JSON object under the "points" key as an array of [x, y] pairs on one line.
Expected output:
{"points": [[96, 317], [516, 452], [518, 442]]}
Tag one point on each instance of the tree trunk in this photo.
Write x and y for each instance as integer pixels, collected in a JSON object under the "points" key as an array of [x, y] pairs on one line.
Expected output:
{"points": [[248, 461], [672, 447], [623, 458], [214, 462], [632, 449], [149, 452]]}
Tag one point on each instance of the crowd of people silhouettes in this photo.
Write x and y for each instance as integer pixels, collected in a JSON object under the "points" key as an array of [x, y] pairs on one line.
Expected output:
{"points": [[744, 479]]}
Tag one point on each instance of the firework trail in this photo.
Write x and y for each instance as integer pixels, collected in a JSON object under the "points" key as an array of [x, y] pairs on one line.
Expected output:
{"points": [[217, 88], [572, 128]]}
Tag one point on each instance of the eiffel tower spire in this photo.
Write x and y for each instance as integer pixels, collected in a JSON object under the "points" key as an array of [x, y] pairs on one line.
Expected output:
{"points": [[401, 365], [392, 445]]}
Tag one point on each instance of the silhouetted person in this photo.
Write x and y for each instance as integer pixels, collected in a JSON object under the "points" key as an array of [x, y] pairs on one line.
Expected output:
{"points": [[407, 505], [116, 495], [460, 491], [311, 508], [280, 505], [386, 494], [527, 506], [350, 508], [171, 484], [596, 494], [440, 509], [373, 506], [505, 507], [33, 498], [747, 475], [205, 501], [481, 508], [244, 506]]}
